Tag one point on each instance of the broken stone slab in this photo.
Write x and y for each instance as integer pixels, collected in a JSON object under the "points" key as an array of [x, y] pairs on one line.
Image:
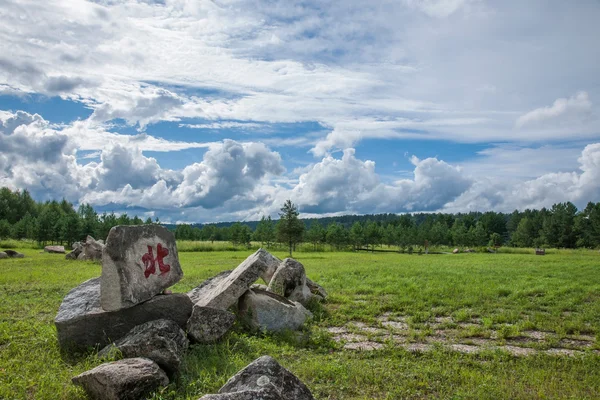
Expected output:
{"points": [[138, 262], [55, 249], [226, 292], [289, 281], [265, 372], [91, 250], [207, 325], [82, 323], [264, 310], [14, 254], [269, 393], [208, 285], [161, 341], [131, 379]]}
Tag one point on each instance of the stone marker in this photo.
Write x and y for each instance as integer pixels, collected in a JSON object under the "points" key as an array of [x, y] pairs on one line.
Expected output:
{"points": [[263, 310], [3, 255], [14, 254], [82, 323], [162, 341], [131, 379], [207, 325], [264, 372], [55, 249], [289, 281], [138, 262], [229, 289]]}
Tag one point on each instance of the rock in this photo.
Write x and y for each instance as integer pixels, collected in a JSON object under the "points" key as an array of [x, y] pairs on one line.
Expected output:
{"points": [[138, 262], [455, 251], [77, 249], [3, 255], [208, 285], [91, 250], [264, 310], [82, 323], [316, 289], [207, 325], [55, 249], [162, 341], [226, 292], [268, 393], [272, 265], [264, 372], [131, 379], [259, 286], [14, 254], [289, 281]]}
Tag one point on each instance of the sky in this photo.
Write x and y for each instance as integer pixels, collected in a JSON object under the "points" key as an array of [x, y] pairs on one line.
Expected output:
{"points": [[199, 111]]}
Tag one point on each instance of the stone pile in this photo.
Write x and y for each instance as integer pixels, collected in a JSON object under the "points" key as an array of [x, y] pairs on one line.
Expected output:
{"points": [[90, 250], [125, 313]]}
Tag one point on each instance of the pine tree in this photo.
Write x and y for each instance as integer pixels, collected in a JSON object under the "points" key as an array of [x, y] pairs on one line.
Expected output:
{"points": [[289, 228]]}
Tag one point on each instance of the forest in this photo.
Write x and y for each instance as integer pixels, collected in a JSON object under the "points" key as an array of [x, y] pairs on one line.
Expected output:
{"points": [[560, 226]]}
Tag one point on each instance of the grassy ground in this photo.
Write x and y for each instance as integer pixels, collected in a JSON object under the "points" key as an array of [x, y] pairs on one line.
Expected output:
{"points": [[499, 297]]}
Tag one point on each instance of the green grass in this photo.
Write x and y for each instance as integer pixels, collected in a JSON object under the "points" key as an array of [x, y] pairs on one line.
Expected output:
{"points": [[507, 293]]}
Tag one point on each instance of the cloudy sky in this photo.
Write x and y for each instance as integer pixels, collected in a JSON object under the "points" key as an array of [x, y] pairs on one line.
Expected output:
{"points": [[200, 111]]}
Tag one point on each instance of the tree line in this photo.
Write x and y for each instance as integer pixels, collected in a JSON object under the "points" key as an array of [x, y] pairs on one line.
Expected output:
{"points": [[21, 217]]}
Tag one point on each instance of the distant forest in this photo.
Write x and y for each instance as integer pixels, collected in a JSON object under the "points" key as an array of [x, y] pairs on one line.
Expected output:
{"points": [[561, 226]]}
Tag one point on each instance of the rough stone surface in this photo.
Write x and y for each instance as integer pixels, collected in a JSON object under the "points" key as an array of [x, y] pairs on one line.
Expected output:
{"points": [[3, 255], [81, 322], [91, 250], [128, 379], [267, 393], [272, 265], [316, 289], [55, 249], [162, 341], [264, 372], [208, 285], [207, 325], [455, 251], [263, 310], [229, 289], [14, 254], [289, 281], [138, 262]]}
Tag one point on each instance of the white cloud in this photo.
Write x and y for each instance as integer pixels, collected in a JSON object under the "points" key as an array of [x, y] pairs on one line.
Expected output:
{"points": [[575, 106]]}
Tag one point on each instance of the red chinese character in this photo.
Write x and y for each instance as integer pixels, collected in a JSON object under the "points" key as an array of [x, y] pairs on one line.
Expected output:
{"points": [[150, 262]]}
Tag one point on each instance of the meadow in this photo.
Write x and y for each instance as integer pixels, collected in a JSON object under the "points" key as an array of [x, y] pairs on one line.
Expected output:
{"points": [[396, 326]]}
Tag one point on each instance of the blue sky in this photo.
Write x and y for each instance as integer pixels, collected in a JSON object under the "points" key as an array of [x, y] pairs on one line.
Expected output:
{"points": [[200, 111]]}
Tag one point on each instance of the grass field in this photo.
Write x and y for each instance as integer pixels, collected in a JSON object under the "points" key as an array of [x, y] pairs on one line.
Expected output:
{"points": [[465, 326]]}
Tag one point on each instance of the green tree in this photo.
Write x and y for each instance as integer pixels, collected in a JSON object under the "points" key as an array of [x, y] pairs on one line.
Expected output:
{"points": [[4, 229], [525, 233], [496, 240], [336, 235], [316, 234], [265, 232], [357, 235], [289, 227]]}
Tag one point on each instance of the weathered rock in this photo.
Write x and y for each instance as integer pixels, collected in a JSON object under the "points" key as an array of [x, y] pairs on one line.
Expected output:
{"points": [[289, 281], [264, 372], [226, 292], [138, 262], [91, 250], [82, 323], [207, 325], [208, 285], [272, 265], [14, 254], [128, 379], [268, 393], [162, 341], [77, 249], [316, 289], [264, 310], [55, 249], [455, 251], [3, 255], [259, 286]]}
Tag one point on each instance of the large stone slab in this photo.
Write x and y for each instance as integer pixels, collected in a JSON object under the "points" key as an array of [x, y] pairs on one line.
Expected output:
{"points": [[82, 323], [264, 310], [208, 285], [162, 341], [226, 292], [207, 325], [138, 262], [128, 379], [55, 249], [265, 372]]}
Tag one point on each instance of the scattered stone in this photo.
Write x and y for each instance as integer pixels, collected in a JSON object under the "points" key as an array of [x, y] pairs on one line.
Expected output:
{"points": [[397, 325], [263, 310], [91, 250], [289, 281], [264, 372], [226, 292], [3, 255], [82, 323], [518, 351], [316, 289], [337, 329], [138, 262], [14, 254], [131, 378], [55, 249], [465, 348], [455, 251], [267, 393], [365, 346], [162, 341], [77, 249], [563, 352], [207, 325]]}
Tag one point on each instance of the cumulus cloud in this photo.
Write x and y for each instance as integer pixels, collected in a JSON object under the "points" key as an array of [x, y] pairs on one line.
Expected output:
{"points": [[575, 106]]}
